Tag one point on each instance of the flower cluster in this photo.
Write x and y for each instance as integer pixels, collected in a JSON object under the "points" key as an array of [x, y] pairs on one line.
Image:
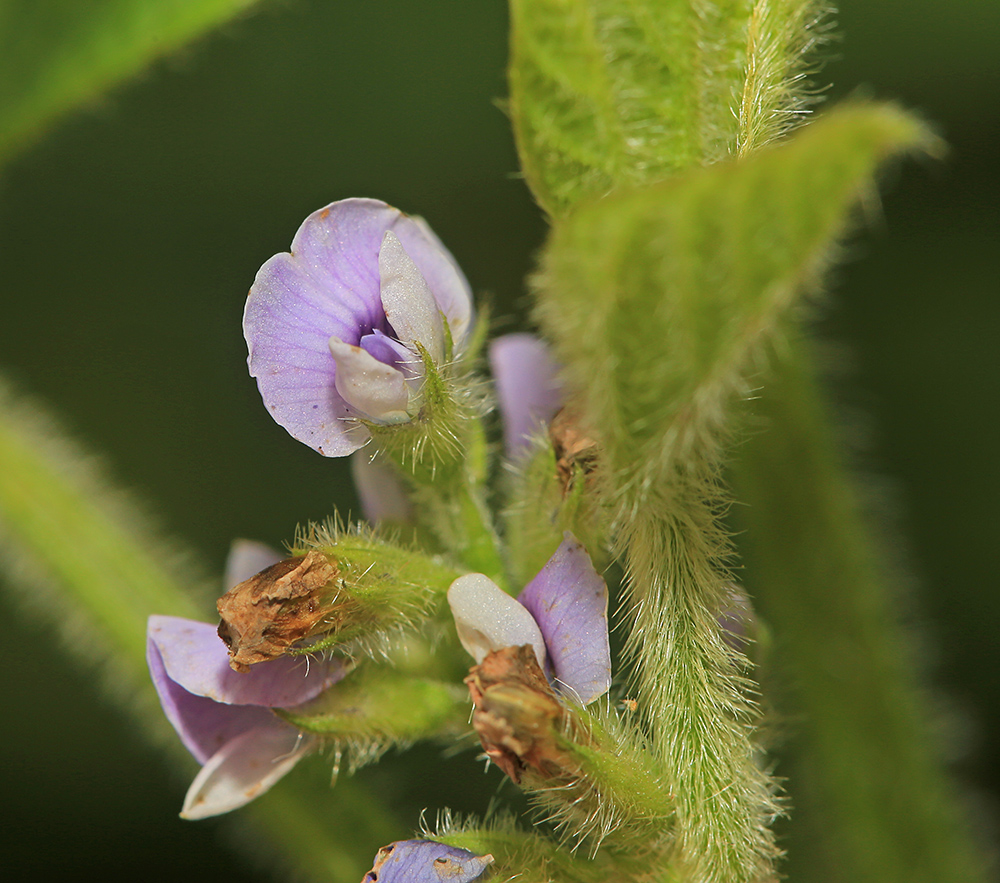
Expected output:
{"points": [[352, 337]]}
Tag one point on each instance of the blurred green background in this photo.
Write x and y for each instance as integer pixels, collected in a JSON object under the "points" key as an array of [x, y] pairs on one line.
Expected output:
{"points": [[130, 235]]}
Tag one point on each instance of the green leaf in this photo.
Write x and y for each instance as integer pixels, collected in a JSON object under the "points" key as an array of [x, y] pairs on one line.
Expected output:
{"points": [[684, 280], [58, 54], [609, 93]]}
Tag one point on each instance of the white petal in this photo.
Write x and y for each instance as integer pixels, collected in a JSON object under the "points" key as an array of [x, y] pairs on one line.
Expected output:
{"points": [[408, 303], [244, 768], [377, 391], [488, 619]]}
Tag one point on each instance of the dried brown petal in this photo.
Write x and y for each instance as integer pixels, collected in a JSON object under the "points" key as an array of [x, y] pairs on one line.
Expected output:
{"points": [[517, 714], [572, 448], [265, 615]]}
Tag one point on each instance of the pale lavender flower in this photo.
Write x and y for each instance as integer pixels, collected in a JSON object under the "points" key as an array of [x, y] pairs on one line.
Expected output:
{"points": [[335, 327], [426, 861], [562, 613], [223, 718], [527, 386]]}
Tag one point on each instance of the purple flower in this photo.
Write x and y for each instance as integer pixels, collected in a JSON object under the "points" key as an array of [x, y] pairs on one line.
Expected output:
{"points": [[337, 329], [426, 861], [224, 718], [562, 613], [528, 390]]}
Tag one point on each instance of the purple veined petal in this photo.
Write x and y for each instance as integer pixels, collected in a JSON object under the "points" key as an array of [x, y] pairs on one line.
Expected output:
{"points": [[203, 725], [392, 352], [244, 768], [195, 658], [407, 300], [426, 861], [381, 492], [373, 389], [288, 322], [246, 559], [528, 391], [488, 619], [569, 601]]}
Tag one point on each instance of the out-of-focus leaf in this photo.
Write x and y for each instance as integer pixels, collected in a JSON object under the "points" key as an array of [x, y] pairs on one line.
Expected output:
{"points": [[685, 280], [58, 54]]}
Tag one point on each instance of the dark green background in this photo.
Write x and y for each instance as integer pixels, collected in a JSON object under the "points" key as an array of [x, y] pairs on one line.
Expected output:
{"points": [[129, 237]]}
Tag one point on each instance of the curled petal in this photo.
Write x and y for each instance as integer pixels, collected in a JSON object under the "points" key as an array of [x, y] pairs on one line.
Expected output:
{"points": [[426, 861], [409, 305], [382, 495], [203, 725], [247, 557], [244, 768], [328, 286], [373, 389], [488, 619], [569, 601], [528, 392], [195, 658], [392, 352]]}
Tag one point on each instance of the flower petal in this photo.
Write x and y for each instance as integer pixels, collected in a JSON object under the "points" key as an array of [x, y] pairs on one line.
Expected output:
{"points": [[426, 861], [409, 305], [373, 389], [246, 558], [441, 271], [203, 725], [382, 495], [528, 391], [569, 601], [195, 658], [488, 619], [244, 768], [392, 352]]}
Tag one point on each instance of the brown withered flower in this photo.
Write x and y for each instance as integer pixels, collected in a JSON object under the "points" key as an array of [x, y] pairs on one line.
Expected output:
{"points": [[572, 447], [517, 714], [264, 616]]}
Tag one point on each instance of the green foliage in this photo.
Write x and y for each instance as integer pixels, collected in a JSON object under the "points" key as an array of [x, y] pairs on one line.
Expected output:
{"points": [[696, 274], [684, 280], [541, 510], [612, 93], [780, 36], [58, 54], [377, 708]]}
